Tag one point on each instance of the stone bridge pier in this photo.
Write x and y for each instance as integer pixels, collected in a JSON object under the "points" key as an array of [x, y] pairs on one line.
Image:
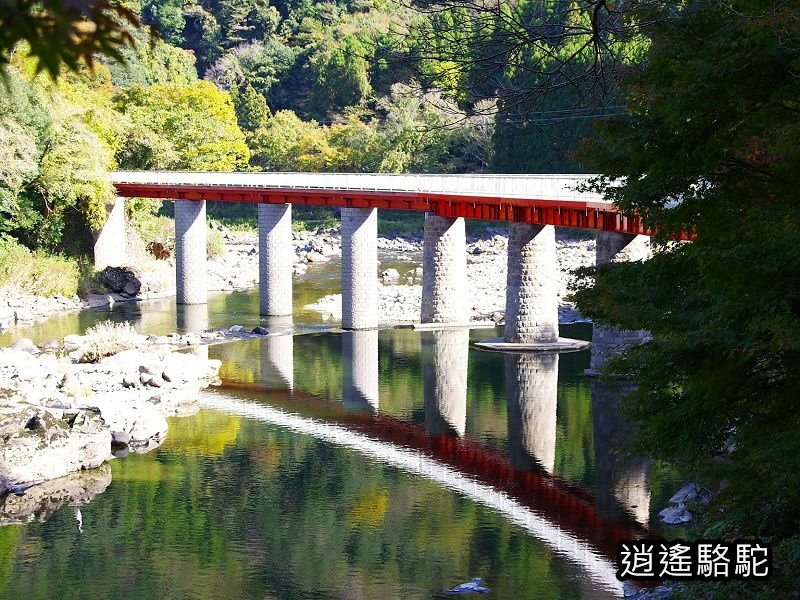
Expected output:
{"points": [[444, 271], [532, 285], [532, 399], [444, 376], [532, 293], [360, 370], [608, 341], [275, 255], [190, 252], [360, 268]]}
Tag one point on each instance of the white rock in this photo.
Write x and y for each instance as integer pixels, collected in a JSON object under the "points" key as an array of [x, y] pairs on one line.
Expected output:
{"points": [[126, 411], [25, 345], [54, 448]]}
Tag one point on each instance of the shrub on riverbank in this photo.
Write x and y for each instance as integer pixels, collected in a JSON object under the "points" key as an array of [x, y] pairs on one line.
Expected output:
{"points": [[36, 272], [106, 339], [215, 244]]}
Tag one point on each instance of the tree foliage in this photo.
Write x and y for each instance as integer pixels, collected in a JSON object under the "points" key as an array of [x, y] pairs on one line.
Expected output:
{"points": [[198, 121], [707, 144], [62, 33], [61, 140]]}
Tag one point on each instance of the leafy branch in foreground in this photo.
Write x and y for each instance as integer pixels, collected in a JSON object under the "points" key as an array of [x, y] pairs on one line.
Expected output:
{"points": [[65, 32]]}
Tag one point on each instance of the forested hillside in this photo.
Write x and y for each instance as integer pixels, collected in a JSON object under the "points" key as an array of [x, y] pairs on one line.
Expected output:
{"points": [[354, 85]]}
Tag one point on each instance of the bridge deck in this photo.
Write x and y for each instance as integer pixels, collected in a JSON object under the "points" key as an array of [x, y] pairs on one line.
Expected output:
{"points": [[537, 199]]}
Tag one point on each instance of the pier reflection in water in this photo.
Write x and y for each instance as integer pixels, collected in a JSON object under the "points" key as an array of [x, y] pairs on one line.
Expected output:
{"points": [[387, 464], [444, 372], [611, 485], [277, 354], [622, 481], [360, 365], [532, 396]]}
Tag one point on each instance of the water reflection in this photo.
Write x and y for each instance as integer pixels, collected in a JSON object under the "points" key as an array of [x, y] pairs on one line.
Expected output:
{"points": [[360, 370], [473, 464], [532, 397], [192, 318], [277, 354], [622, 481], [444, 372]]}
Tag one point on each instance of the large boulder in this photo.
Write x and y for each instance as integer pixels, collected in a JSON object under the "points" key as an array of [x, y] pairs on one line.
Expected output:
{"points": [[121, 280], [38, 444]]}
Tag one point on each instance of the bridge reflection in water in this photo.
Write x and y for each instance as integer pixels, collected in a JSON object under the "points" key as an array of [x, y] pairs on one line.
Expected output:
{"points": [[582, 523]]}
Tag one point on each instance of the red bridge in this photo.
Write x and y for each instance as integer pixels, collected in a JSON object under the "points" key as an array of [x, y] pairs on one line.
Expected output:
{"points": [[536, 199]]}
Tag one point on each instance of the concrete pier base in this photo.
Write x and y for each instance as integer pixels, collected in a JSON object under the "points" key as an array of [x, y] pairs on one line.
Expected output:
{"points": [[444, 271], [275, 255], [190, 252], [444, 372], [277, 354], [360, 370], [608, 341], [111, 242], [623, 483], [359, 268], [532, 399]]}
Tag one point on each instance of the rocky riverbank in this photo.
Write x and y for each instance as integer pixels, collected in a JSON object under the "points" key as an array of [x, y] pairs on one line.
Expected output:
{"points": [[60, 416]]}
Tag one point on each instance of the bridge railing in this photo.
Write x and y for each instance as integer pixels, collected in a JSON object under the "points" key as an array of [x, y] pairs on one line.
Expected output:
{"points": [[541, 187]]}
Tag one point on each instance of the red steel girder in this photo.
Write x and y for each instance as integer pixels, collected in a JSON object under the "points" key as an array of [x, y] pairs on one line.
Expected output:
{"points": [[561, 213]]}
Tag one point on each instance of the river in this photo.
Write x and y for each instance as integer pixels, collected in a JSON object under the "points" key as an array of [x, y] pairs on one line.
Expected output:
{"points": [[391, 464]]}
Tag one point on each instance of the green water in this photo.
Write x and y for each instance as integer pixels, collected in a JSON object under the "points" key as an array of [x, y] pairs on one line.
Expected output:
{"points": [[294, 485]]}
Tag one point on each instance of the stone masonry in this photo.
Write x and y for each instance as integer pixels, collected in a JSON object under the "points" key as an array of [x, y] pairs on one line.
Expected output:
{"points": [[190, 251], [444, 271], [609, 341], [110, 243], [360, 370], [275, 255], [532, 399], [532, 290], [444, 375], [359, 268]]}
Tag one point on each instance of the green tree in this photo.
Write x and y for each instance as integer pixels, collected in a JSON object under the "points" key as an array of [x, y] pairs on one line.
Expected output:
{"points": [[708, 145], [167, 17], [151, 61], [287, 143], [340, 74], [198, 120], [260, 65], [251, 108], [202, 35], [60, 144]]}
